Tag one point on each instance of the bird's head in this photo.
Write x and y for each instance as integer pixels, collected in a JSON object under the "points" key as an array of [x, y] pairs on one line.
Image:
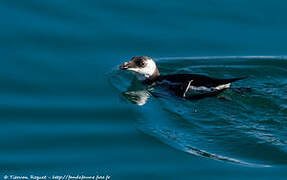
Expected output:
{"points": [[142, 65]]}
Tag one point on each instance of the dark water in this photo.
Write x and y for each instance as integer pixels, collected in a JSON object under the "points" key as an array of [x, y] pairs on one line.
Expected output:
{"points": [[62, 109]]}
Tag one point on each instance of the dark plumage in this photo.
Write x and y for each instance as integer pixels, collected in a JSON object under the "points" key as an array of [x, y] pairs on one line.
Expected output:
{"points": [[180, 83], [197, 80]]}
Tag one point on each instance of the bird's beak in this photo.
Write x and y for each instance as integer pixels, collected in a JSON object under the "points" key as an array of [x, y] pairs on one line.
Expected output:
{"points": [[125, 65]]}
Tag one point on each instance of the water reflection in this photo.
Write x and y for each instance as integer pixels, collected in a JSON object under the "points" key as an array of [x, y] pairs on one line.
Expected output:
{"points": [[139, 97]]}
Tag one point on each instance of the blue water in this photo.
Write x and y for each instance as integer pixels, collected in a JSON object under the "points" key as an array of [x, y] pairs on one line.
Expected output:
{"points": [[64, 109]]}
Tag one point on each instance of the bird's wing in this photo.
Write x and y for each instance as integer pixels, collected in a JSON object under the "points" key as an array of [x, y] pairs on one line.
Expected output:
{"points": [[197, 80]]}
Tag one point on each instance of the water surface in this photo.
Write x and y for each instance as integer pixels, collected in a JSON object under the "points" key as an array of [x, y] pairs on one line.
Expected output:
{"points": [[61, 115]]}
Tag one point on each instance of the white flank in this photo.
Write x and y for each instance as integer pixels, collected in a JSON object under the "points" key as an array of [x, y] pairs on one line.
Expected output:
{"points": [[202, 88], [224, 86], [199, 88]]}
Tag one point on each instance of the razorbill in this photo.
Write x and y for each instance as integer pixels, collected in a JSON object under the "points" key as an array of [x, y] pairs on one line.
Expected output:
{"points": [[147, 71]]}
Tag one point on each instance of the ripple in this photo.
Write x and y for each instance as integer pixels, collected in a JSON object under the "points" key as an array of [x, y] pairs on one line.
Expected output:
{"points": [[245, 128]]}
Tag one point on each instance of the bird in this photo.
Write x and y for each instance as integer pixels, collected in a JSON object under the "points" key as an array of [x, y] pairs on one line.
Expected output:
{"points": [[148, 73]]}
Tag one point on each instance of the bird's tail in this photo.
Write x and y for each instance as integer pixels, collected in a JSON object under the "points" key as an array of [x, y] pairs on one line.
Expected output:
{"points": [[237, 79], [226, 81]]}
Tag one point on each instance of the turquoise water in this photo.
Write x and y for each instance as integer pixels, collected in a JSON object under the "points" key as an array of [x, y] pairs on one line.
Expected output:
{"points": [[63, 104]]}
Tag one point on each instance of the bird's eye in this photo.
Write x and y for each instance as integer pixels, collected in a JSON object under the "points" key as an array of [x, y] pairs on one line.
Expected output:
{"points": [[140, 63]]}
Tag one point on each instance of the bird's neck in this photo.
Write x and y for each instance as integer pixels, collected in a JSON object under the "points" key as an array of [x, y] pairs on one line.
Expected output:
{"points": [[153, 78]]}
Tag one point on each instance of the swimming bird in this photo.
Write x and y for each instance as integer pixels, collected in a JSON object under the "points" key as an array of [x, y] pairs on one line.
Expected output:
{"points": [[147, 71]]}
